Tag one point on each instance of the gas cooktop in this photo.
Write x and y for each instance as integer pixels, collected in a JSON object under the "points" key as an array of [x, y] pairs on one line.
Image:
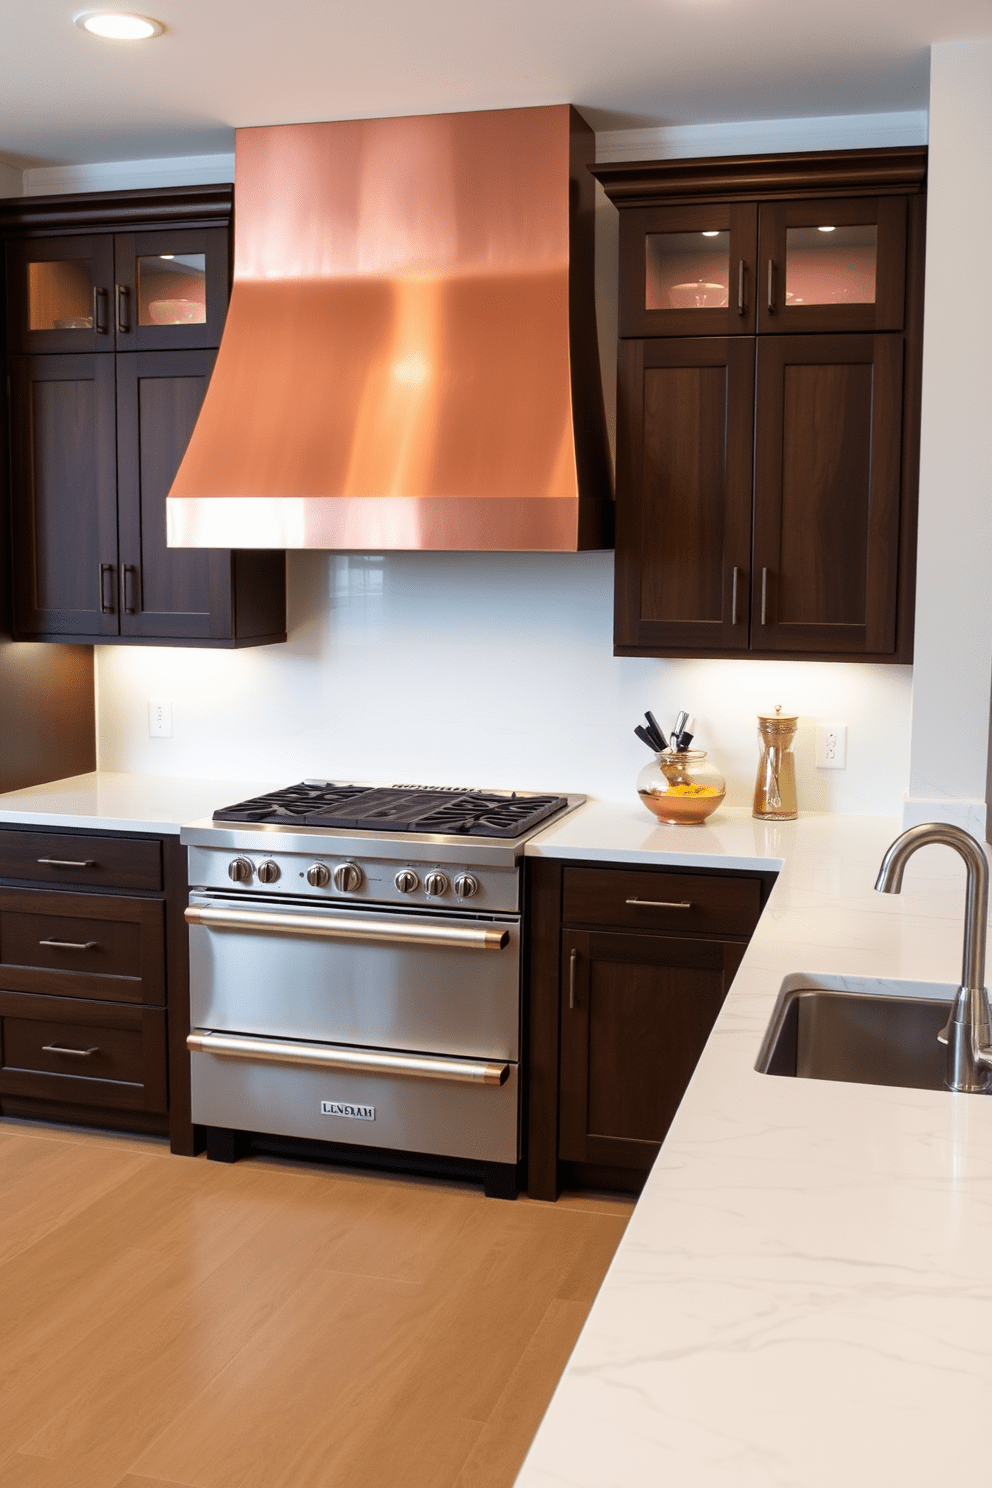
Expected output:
{"points": [[449, 810]]}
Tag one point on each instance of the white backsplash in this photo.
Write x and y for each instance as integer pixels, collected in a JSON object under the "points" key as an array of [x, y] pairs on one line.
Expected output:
{"points": [[482, 669]]}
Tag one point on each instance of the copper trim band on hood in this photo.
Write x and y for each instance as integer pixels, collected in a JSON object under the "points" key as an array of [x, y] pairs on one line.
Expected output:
{"points": [[409, 359]]}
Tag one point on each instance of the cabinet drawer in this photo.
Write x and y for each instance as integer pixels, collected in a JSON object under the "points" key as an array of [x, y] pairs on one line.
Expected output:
{"points": [[90, 1053], [645, 899], [103, 862], [107, 947]]}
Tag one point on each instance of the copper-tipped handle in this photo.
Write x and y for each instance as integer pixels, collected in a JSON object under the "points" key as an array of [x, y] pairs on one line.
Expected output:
{"points": [[771, 286], [740, 287], [733, 596], [572, 960]]}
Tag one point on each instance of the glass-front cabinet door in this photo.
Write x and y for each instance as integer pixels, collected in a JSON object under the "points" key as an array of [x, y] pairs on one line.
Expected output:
{"points": [[60, 294], [170, 289], [154, 291], [832, 265], [688, 271]]}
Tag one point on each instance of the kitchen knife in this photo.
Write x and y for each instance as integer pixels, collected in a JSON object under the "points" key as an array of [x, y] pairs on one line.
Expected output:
{"points": [[656, 731], [647, 738]]}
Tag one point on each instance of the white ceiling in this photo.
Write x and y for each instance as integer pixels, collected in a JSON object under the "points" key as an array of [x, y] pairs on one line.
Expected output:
{"points": [[69, 98]]}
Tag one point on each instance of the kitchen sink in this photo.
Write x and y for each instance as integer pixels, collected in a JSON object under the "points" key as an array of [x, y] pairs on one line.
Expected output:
{"points": [[859, 1029]]}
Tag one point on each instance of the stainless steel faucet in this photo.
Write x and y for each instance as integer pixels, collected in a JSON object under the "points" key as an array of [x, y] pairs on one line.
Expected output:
{"points": [[968, 1031]]}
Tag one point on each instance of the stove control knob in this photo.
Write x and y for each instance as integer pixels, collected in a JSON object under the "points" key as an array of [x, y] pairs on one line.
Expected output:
{"points": [[406, 881], [348, 877], [318, 876], [436, 884], [268, 871], [240, 870], [465, 885]]}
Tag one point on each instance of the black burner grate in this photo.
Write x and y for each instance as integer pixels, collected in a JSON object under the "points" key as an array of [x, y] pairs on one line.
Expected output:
{"points": [[359, 808]]}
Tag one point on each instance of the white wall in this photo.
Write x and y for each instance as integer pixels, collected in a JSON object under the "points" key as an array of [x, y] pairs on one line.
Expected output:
{"points": [[953, 613], [497, 669], [481, 669]]}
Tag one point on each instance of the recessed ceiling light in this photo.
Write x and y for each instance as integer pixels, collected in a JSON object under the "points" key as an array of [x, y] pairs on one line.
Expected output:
{"points": [[826, 229], [118, 25]]}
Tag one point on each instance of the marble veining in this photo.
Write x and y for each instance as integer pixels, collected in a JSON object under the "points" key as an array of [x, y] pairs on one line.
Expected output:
{"points": [[803, 1296]]}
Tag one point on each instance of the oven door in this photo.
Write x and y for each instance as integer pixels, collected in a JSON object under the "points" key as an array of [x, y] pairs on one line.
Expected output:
{"points": [[364, 1026], [442, 983]]}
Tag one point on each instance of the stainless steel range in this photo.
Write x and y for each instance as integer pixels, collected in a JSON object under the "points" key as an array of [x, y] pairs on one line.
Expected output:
{"points": [[355, 970]]}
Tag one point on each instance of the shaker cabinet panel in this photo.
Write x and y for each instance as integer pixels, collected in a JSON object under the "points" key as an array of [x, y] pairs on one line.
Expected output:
{"points": [[636, 1012], [684, 532], [166, 592], [64, 494], [827, 484]]}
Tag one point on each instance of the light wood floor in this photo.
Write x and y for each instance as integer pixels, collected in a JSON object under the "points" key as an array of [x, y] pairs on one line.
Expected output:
{"points": [[168, 1321]]}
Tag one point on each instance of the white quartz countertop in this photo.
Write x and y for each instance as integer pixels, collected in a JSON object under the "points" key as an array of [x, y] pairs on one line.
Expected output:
{"points": [[123, 803], [803, 1295]]}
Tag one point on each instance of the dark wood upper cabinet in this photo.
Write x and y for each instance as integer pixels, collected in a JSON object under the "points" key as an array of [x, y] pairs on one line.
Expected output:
{"points": [[129, 310], [64, 495], [832, 265], [688, 271], [771, 315], [60, 294], [826, 509], [170, 289], [686, 416]]}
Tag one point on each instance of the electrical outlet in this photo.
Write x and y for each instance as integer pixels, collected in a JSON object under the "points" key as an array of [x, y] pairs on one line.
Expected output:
{"points": [[159, 720], [831, 746]]}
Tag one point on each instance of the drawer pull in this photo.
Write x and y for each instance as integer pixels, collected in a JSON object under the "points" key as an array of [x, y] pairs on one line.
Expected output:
{"points": [[70, 945], [62, 1049], [663, 903], [68, 862], [571, 978]]}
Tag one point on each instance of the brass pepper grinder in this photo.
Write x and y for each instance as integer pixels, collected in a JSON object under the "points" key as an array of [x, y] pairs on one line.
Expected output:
{"points": [[775, 787]]}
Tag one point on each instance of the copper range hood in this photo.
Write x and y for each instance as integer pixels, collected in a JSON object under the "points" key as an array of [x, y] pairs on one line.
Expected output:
{"points": [[410, 356]]}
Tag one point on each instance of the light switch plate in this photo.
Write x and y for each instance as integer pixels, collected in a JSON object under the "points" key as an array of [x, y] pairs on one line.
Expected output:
{"points": [[159, 720], [831, 746]]}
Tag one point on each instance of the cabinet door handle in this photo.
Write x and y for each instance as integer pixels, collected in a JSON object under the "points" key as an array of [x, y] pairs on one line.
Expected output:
{"points": [[107, 571], [68, 862], [100, 311], [733, 596], [129, 575], [771, 286], [62, 1049], [764, 596], [70, 945], [663, 903], [740, 287], [573, 958], [123, 317]]}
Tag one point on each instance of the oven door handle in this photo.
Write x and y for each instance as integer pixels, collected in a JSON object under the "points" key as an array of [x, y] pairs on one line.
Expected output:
{"points": [[380, 932], [362, 1061]]}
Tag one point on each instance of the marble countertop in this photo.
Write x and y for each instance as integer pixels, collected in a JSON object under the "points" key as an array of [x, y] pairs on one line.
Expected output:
{"points": [[114, 802], [803, 1296]]}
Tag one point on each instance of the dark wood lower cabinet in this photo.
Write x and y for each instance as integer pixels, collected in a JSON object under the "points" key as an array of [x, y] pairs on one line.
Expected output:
{"points": [[636, 1011], [618, 1016], [94, 981]]}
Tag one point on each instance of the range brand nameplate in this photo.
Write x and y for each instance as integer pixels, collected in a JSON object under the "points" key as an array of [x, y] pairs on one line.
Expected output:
{"points": [[345, 1108]]}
